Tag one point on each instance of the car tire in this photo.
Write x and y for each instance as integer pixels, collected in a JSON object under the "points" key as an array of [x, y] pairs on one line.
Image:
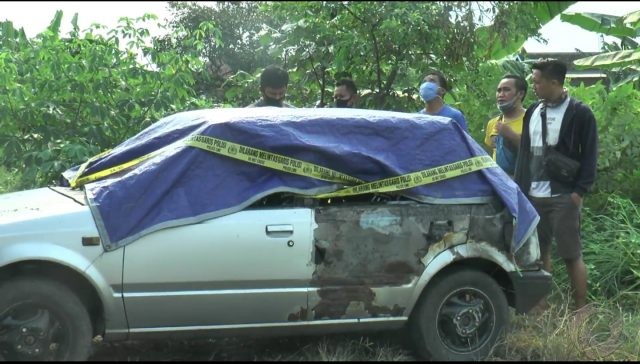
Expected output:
{"points": [[459, 317], [41, 319]]}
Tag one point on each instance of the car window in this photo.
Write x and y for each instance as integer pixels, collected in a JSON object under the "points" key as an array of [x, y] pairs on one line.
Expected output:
{"points": [[290, 200]]}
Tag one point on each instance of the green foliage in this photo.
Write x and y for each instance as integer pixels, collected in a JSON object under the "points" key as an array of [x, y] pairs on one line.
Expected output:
{"points": [[78, 95], [620, 60], [233, 48], [600, 23], [8, 180], [64, 99], [386, 47], [617, 113]]}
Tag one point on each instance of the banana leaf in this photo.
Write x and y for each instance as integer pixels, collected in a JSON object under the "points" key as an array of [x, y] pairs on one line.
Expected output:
{"points": [[632, 19], [609, 60], [600, 23], [55, 22]]}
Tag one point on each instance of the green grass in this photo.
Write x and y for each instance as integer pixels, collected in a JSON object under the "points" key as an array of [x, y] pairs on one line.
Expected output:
{"points": [[611, 251], [609, 333]]}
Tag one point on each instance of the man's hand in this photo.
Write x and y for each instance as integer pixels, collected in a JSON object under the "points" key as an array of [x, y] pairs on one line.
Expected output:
{"points": [[503, 129], [509, 135], [577, 199]]}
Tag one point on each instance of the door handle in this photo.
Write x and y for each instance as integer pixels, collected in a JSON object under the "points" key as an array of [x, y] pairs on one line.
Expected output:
{"points": [[279, 229]]}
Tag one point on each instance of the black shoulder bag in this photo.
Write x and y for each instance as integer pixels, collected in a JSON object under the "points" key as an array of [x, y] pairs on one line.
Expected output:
{"points": [[558, 166]]}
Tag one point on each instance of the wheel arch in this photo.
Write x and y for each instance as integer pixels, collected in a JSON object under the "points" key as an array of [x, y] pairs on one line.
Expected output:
{"points": [[67, 276], [479, 256]]}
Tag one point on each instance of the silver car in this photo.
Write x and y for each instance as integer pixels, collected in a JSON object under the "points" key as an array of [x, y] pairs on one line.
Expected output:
{"points": [[285, 264]]}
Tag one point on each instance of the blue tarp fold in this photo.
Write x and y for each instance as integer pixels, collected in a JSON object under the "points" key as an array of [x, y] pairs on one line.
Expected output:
{"points": [[183, 184]]}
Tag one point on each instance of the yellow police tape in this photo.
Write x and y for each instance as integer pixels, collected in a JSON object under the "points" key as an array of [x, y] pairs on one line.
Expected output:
{"points": [[286, 164], [77, 181], [416, 179], [302, 168], [268, 159], [74, 182]]}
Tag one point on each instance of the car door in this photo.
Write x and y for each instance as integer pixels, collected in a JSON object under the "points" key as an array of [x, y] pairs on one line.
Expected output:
{"points": [[250, 267]]}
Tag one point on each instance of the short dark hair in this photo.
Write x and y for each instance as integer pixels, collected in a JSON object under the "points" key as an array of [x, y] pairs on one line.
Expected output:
{"points": [[441, 79], [521, 83], [273, 76], [349, 84], [551, 69]]}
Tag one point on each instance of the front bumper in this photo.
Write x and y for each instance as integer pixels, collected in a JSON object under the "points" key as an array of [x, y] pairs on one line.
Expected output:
{"points": [[529, 288]]}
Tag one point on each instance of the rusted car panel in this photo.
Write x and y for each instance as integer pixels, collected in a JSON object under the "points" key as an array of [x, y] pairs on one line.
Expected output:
{"points": [[369, 258]]}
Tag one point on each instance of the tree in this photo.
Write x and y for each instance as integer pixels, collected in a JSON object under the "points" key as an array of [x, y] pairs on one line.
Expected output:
{"points": [[233, 49], [388, 46], [64, 99]]}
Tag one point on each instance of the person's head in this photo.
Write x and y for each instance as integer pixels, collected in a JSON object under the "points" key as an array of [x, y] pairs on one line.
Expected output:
{"points": [[429, 91], [438, 78], [548, 78], [511, 92], [273, 85], [345, 93]]}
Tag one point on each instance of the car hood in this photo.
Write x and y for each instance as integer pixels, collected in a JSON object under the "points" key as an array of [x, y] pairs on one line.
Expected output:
{"points": [[38, 204]]}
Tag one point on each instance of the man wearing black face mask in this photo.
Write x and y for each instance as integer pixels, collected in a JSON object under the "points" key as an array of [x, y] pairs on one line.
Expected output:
{"points": [[273, 86], [503, 132], [346, 93]]}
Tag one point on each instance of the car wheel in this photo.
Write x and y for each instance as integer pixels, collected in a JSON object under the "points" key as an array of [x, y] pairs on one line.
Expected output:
{"points": [[459, 317], [41, 319]]}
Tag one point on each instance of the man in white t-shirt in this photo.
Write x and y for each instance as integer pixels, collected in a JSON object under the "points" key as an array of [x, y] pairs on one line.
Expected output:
{"points": [[571, 131]]}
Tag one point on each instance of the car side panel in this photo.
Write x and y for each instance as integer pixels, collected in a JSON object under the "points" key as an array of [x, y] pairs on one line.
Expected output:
{"points": [[253, 266], [372, 257]]}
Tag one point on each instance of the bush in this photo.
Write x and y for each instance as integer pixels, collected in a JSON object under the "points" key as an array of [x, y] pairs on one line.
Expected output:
{"points": [[617, 113], [63, 100]]}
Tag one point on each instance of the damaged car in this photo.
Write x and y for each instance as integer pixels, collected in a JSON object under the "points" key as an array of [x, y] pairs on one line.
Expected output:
{"points": [[269, 221]]}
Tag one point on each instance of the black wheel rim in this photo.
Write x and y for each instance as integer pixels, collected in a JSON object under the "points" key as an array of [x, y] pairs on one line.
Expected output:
{"points": [[466, 320], [32, 331]]}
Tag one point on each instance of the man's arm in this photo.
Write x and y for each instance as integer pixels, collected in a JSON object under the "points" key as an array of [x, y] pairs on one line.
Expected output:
{"points": [[490, 134], [589, 159]]}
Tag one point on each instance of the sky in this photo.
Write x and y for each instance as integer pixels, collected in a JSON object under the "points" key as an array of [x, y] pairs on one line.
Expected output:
{"points": [[35, 16]]}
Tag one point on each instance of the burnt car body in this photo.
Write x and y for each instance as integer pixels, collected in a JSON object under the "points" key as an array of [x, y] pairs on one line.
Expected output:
{"points": [[283, 263]]}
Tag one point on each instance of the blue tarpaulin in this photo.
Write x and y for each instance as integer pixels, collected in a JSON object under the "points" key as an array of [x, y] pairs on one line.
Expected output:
{"points": [[183, 184]]}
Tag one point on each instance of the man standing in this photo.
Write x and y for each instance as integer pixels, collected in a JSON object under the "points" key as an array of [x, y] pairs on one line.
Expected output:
{"points": [[345, 93], [432, 91], [570, 128], [273, 87], [503, 132]]}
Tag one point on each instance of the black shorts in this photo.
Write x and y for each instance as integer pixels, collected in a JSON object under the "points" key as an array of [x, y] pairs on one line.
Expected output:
{"points": [[559, 220]]}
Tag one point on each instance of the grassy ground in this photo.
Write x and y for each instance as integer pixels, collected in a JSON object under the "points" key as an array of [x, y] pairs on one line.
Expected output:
{"points": [[608, 333]]}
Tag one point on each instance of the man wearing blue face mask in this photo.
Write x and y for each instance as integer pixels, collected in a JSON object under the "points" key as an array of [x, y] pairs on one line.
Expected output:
{"points": [[432, 91], [503, 132]]}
